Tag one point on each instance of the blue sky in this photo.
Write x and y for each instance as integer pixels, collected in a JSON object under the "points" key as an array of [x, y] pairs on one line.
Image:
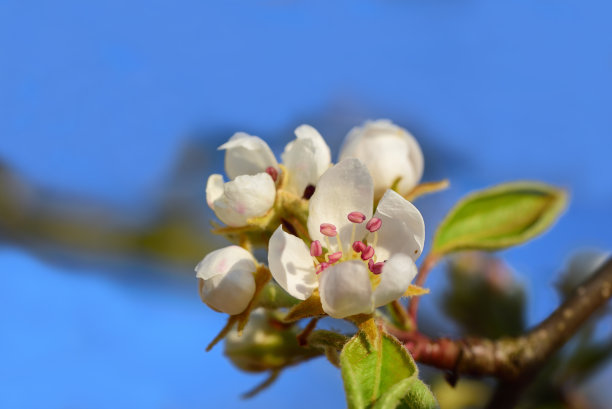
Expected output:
{"points": [[97, 98]]}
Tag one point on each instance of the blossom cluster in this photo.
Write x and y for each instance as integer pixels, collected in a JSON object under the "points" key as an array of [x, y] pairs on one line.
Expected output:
{"points": [[360, 237]]}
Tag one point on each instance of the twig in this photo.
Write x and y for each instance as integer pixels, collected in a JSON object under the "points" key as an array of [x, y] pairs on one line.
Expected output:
{"points": [[508, 359], [429, 263]]}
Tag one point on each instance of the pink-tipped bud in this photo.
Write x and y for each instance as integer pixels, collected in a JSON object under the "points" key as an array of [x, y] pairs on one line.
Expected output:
{"points": [[358, 246], [367, 253], [316, 249], [328, 229], [373, 224], [377, 268], [356, 217], [322, 267], [270, 170], [370, 264], [332, 258]]}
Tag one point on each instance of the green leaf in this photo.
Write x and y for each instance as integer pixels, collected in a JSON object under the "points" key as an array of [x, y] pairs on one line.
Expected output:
{"points": [[377, 376], [499, 217], [409, 393]]}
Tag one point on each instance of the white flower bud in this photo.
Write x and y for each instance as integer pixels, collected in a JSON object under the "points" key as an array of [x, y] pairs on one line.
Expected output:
{"points": [[226, 279], [236, 201], [389, 152]]}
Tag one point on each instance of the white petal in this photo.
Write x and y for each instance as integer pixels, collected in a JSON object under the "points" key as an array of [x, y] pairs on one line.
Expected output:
{"points": [[214, 189], [245, 197], [346, 289], [227, 275], [291, 264], [402, 230], [389, 152], [344, 188], [396, 276], [223, 260], [306, 159], [229, 293], [247, 155]]}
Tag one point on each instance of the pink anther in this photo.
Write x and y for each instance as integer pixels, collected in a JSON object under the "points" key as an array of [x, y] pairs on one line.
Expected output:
{"points": [[367, 253], [332, 258], [270, 170], [328, 229], [376, 268], [322, 267], [358, 246], [316, 249], [373, 224], [356, 217]]}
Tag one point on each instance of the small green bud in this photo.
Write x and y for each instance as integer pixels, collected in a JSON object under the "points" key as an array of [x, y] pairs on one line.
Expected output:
{"points": [[266, 344]]}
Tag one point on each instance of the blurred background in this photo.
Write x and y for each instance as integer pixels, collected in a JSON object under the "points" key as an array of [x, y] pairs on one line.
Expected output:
{"points": [[110, 115]]}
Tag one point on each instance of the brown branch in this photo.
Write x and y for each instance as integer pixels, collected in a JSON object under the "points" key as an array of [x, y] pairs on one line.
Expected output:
{"points": [[511, 358]]}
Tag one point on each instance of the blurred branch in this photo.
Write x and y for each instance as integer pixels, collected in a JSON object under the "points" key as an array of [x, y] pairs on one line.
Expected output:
{"points": [[50, 224], [512, 359]]}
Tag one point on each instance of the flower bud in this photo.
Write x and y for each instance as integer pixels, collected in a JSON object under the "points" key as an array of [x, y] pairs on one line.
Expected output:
{"points": [[390, 153], [264, 346], [245, 197], [226, 279]]}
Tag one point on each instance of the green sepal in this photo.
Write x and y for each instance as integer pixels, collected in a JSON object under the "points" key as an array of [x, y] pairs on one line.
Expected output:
{"points": [[310, 307]]}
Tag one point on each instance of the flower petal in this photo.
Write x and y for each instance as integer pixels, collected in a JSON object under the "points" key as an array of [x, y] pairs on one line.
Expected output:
{"points": [[389, 152], [247, 155], [344, 188], [396, 276], [306, 159], [402, 230], [291, 264], [227, 279], [223, 260], [245, 197], [214, 189], [345, 289], [229, 293]]}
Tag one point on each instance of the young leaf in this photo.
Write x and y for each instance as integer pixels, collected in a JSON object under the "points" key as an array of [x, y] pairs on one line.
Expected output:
{"points": [[499, 217], [409, 393], [376, 375]]}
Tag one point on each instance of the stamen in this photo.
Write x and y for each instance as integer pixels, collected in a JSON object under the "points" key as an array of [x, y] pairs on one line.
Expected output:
{"points": [[375, 241], [356, 217], [316, 249], [367, 253], [328, 243], [308, 192], [271, 170], [358, 246], [321, 267], [332, 258], [339, 243], [376, 268], [373, 224], [328, 229]]}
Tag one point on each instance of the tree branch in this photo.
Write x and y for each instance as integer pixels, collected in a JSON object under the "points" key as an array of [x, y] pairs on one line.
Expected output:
{"points": [[509, 359]]}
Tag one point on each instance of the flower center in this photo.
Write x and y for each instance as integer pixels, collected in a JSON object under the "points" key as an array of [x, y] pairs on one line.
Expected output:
{"points": [[357, 250], [271, 170]]}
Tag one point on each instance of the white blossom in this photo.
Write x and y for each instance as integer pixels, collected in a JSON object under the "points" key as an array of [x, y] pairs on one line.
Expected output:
{"points": [[370, 257], [390, 152], [253, 172], [226, 279]]}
